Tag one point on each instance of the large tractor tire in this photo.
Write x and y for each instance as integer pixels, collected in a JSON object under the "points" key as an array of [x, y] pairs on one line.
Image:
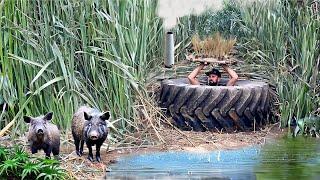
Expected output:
{"points": [[243, 107]]}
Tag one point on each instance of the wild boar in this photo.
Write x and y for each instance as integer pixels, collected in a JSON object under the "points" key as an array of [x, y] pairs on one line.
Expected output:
{"points": [[43, 134], [89, 125]]}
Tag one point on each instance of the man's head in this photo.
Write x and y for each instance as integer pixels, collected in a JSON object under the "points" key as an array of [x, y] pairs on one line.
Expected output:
{"points": [[213, 77]]}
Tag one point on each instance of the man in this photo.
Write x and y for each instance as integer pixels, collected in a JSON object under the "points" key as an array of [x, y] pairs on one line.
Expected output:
{"points": [[213, 76]]}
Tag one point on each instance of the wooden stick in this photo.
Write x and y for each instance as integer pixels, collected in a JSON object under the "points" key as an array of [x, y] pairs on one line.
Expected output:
{"points": [[6, 128], [211, 60]]}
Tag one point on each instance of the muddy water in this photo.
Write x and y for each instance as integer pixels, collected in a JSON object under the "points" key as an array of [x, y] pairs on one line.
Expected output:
{"points": [[287, 158]]}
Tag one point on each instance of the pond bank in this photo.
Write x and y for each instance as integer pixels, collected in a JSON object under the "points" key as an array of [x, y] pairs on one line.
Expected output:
{"points": [[190, 141], [283, 158]]}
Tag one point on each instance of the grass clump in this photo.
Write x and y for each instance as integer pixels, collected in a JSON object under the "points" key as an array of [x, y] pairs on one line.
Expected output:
{"points": [[15, 163]]}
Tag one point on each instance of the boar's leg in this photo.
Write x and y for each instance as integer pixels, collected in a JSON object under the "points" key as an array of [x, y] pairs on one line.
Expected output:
{"points": [[98, 146], [55, 151], [90, 155], [34, 150], [81, 147], [48, 151], [76, 143]]}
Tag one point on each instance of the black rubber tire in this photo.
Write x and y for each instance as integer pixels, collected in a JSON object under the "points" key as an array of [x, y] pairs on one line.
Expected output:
{"points": [[243, 107]]}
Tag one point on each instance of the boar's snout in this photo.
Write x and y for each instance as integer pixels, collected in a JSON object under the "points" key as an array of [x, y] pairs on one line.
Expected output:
{"points": [[93, 135], [40, 131]]}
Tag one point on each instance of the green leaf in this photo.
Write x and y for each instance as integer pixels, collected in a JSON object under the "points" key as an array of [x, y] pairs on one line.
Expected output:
{"points": [[41, 72], [25, 60], [51, 82]]}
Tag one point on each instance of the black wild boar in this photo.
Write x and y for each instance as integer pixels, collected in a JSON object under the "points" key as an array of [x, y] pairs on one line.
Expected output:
{"points": [[89, 125], [43, 134]]}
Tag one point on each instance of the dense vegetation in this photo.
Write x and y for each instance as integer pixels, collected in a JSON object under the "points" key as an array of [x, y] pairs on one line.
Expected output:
{"points": [[58, 55], [284, 39]]}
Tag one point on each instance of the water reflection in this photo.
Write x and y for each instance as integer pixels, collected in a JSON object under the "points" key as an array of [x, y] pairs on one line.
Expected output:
{"points": [[285, 159], [290, 158], [235, 164]]}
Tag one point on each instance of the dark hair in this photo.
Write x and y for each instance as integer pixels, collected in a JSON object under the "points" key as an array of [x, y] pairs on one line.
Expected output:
{"points": [[214, 71]]}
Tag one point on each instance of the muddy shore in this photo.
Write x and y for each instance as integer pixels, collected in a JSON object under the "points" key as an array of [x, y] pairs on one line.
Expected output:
{"points": [[174, 140]]}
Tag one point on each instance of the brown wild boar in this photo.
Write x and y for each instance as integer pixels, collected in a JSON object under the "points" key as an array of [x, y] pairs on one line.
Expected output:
{"points": [[89, 125], [43, 134]]}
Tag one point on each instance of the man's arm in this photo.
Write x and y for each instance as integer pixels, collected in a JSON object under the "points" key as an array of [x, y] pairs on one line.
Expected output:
{"points": [[233, 75], [192, 76]]}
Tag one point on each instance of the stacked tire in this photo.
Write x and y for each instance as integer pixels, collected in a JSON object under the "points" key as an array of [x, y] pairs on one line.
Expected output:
{"points": [[243, 107]]}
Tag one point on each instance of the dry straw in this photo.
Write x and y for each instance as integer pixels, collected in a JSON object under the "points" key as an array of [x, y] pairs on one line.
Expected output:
{"points": [[215, 46]]}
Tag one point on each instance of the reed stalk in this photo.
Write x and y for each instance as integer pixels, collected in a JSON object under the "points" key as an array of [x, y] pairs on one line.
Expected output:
{"points": [[61, 54]]}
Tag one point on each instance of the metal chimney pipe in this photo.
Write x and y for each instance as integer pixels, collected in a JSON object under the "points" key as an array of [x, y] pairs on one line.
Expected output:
{"points": [[169, 59]]}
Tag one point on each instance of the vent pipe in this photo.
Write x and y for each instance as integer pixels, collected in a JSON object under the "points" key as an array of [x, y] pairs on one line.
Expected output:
{"points": [[169, 59]]}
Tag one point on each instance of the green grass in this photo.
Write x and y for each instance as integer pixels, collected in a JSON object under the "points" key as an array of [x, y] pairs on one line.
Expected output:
{"points": [[15, 163]]}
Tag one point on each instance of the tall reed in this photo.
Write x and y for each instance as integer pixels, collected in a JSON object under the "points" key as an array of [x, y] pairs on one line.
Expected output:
{"points": [[64, 53], [283, 37]]}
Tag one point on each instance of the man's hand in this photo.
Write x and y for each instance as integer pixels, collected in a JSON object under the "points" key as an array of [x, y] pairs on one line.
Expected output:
{"points": [[192, 76], [233, 75]]}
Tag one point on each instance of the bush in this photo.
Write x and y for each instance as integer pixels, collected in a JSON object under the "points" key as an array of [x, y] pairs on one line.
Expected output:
{"points": [[15, 163]]}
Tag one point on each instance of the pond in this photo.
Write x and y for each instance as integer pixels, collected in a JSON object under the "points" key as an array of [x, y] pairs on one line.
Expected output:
{"points": [[287, 158]]}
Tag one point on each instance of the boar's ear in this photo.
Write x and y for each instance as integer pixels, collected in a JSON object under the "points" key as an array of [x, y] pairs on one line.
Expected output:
{"points": [[105, 116], [27, 119], [48, 116], [87, 116]]}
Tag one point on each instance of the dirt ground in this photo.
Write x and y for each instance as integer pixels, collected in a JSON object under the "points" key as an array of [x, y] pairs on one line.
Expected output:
{"points": [[175, 140]]}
